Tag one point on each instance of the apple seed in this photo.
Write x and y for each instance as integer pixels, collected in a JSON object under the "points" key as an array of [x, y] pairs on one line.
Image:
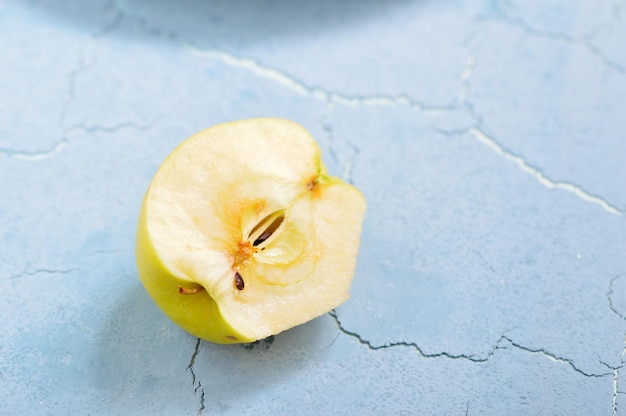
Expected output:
{"points": [[261, 238], [238, 281], [264, 229]]}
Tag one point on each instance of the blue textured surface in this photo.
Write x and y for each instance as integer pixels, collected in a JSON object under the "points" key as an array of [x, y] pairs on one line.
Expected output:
{"points": [[488, 139]]}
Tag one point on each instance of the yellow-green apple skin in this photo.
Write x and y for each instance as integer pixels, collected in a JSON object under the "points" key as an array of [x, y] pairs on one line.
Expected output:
{"points": [[243, 234]]}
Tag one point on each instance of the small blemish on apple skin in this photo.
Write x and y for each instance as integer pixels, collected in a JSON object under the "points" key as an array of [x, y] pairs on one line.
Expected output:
{"points": [[190, 291], [239, 281], [232, 337]]}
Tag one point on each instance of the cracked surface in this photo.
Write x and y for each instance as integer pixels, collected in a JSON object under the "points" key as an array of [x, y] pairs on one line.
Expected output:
{"points": [[486, 138], [196, 383]]}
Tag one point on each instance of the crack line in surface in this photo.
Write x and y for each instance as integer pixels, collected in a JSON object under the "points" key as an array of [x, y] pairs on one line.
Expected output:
{"points": [[47, 271], [616, 371], [347, 171], [539, 175], [610, 300], [471, 358], [466, 76], [602, 56], [555, 358], [80, 68], [85, 128], [333, 341], [615, 384], [301, 88], [328, 130], [82, 65], [584, 41], [282, 77], [197, 385], [72, 79], [413, 345], [36, 154]]}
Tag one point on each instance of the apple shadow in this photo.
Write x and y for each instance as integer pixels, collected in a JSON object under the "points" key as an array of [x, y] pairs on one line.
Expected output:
{"points": [[143, 361], [220, 22]]}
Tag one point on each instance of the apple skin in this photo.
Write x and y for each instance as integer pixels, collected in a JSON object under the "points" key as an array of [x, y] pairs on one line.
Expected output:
{"points": [[310, 259], [197, 314]]}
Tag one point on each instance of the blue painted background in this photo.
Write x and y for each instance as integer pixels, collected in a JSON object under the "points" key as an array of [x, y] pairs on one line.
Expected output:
{"points": [[489, 140]]}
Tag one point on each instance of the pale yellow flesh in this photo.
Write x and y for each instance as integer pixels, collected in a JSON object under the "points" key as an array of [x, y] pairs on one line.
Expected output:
{"points": [[197, 225]]}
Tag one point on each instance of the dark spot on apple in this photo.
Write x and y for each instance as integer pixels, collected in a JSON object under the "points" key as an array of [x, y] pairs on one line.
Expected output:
{"points": [[239, 281], [231, 337]]}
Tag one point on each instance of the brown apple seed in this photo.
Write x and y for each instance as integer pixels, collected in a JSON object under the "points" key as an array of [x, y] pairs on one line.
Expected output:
{"points": [[238, 281]]}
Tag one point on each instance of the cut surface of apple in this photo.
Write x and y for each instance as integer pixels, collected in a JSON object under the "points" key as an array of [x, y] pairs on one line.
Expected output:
{"points": [[243, 234]]}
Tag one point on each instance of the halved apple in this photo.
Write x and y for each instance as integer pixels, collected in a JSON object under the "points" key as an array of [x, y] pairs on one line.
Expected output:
{"points": [[242, 233]]}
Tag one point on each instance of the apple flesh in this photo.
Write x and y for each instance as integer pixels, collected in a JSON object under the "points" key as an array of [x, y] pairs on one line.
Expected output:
{"points": [[243, 234]]}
